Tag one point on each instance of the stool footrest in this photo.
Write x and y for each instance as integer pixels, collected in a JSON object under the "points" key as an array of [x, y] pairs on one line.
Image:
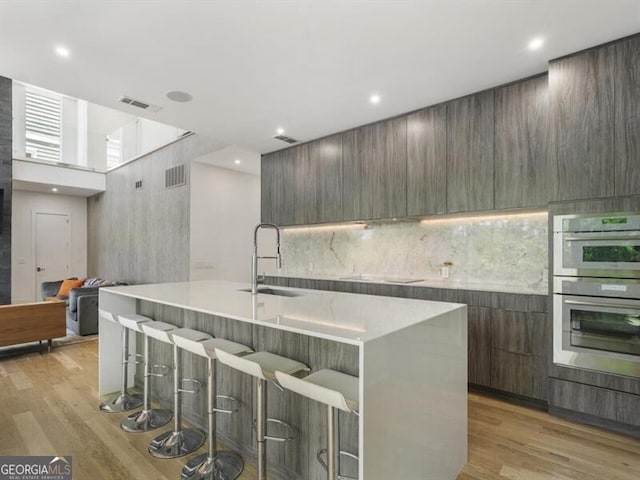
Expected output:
{"points": [[291, 431], [341, 453], [166, 368], [196, 383], [233, 400], [139, 359]]}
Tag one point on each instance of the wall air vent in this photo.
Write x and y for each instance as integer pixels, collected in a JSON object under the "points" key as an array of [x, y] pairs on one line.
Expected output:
{"points": [[139, 104], [286, 139], [175, 177], [138, 184]]}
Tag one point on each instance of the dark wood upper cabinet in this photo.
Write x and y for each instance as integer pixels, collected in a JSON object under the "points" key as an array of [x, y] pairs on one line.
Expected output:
{"points": [[427, 161], [627, 117], [278, 187], [581, 89], [470, 133], [569, 135], [374, 166], [525, 175], [322, 177]]}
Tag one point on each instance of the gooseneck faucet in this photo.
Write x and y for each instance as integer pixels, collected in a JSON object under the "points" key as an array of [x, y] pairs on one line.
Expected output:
{"points": [[255, 258]]}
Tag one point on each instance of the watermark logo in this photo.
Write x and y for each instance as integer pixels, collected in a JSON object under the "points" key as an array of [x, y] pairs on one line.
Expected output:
{"points": [[35, 468]]}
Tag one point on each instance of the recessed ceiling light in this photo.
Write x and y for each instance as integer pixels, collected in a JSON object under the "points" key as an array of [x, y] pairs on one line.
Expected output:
{"points": [[54, 189], [62, 51], [535, 43], [280, 131], [179, 96], [375, 98], [237, 162]]}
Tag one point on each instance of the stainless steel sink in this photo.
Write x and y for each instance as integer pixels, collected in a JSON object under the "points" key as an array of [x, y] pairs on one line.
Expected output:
{"points": [[275, 291]]}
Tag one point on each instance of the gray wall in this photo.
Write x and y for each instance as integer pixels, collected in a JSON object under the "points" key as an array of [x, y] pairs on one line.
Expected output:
{"points": [[142, 236], [5, 186]]}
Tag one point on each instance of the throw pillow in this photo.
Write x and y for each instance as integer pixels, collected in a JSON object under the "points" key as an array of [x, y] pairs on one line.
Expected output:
{"points": [[67, 285]]}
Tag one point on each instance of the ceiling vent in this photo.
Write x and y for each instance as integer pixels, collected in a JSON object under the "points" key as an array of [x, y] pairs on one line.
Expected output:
{"points": [[175, 177], [138, 184], [286, 139], [139, 104]]}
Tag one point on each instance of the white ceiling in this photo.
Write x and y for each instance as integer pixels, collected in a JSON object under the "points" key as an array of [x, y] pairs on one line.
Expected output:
{"points": [[308, 66], [233, 157]]}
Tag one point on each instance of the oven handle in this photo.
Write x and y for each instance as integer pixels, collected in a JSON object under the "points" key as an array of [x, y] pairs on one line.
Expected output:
{"points": [[594, 237], [594, 304]]}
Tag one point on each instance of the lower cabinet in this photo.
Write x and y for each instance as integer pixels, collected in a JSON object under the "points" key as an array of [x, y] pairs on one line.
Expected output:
{"points": [[597, 402], [507, 351], [524, 375], [479, 345], [508, 337]]}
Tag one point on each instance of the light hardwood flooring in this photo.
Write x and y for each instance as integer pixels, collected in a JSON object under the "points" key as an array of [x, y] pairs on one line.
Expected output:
{"points": [[48, 406]]}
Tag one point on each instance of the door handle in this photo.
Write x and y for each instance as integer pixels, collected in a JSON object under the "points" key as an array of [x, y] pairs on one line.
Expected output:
{"points": [[39, 269], [596, 237], [594, 304]]}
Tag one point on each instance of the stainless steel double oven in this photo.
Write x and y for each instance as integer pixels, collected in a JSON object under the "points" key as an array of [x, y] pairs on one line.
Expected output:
{"points": [[596, 292]]}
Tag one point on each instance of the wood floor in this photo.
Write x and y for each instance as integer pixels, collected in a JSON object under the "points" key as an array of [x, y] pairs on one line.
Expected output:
{"points": [[48, 406]]}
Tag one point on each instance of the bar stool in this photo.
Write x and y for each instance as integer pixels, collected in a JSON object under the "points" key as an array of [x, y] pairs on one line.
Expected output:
{"points": [[179, 441], [338, 391], [124, 401], [262, 366], [149, 418], [212, 465]]}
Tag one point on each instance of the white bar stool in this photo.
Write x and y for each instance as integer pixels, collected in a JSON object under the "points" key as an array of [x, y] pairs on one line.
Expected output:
{"points": [[338, 391], [212, 465], [124, 401], [179, 441], [149, 418], [262, 366]]}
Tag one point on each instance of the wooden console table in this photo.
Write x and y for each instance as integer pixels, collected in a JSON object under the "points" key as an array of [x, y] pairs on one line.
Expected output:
{"points": [[30, 322]]}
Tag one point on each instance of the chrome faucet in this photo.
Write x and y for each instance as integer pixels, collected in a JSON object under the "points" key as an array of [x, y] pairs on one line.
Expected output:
{"points": [[254, 264]]}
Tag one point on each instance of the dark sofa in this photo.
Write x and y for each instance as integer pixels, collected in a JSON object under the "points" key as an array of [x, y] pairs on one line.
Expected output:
{"points": [[82, 303]]}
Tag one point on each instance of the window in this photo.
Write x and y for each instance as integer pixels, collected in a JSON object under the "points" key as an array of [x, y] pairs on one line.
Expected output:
{"points": [[42, 121], [114, 149]]}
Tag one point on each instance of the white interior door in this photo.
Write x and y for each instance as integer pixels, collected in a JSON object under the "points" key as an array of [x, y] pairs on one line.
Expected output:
{"points": [[52, 245]]}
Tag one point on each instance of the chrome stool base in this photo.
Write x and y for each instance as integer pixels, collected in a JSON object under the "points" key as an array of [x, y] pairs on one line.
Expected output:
{"points": [[223, 466], [176, 444], [146, 420], [122, 403]]}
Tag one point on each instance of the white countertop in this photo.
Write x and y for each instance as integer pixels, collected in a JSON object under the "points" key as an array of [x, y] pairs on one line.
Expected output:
{"points": [[426, 283], [344, 317]]}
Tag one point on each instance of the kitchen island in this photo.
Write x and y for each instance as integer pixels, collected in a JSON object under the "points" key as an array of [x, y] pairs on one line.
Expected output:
{"points": [[410, 356]]}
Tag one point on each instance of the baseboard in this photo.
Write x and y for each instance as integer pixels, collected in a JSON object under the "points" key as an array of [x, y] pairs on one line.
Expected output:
{"points": [[594, 421], [510, 397]]}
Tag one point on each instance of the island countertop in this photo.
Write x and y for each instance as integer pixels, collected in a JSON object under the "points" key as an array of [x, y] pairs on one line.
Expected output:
{"points": [[342, 317], [410, 357]]}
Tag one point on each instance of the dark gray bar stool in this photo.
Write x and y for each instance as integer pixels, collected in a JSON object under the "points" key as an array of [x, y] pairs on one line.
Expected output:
{"points": [[179, 441], [262, 366], [338, 391], [213, 465], [124, 401], [149, 418]]}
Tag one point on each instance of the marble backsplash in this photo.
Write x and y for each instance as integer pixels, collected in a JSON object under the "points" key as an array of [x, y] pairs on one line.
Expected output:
{"points": [[502, 252]]}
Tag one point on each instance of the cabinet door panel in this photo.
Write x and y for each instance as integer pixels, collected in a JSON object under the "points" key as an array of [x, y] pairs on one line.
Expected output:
{"points": [[581, 89], [600, 402], [470, 134], [323, 199], [427, 161], [627, 123], [375, 171], [520, 374], [278, 190], [479, 345], [524, 175], [524, 333]]}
